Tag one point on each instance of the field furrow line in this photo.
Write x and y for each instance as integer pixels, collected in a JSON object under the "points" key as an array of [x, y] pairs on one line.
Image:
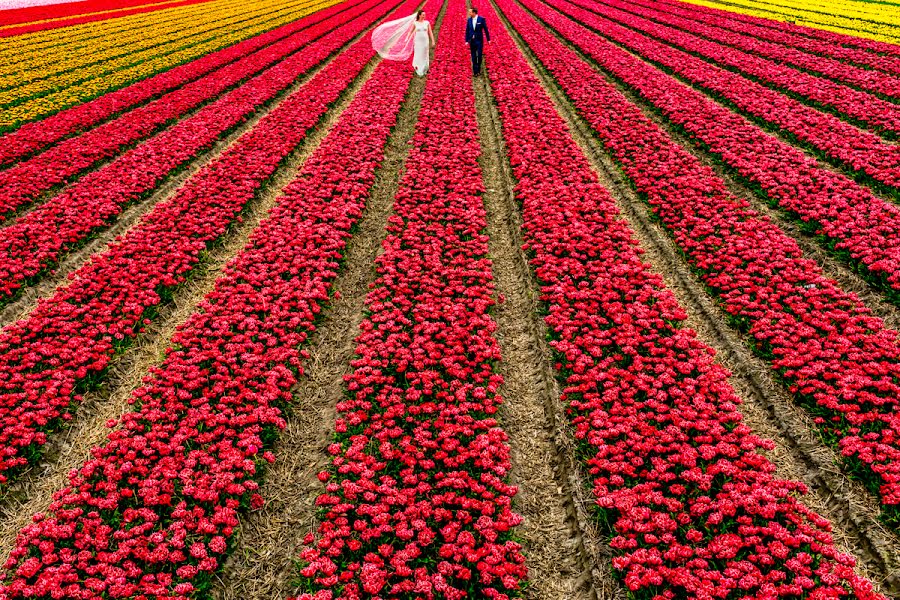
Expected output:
{"points": [[565, 553], [416, 499]]}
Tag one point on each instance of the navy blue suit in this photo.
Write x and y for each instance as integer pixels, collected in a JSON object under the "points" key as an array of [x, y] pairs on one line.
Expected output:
{"points": [[475, 39]]}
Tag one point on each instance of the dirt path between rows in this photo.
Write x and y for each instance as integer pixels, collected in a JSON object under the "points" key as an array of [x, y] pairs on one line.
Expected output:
{"points": [[566, 555], [32, 491], [767, 407]]}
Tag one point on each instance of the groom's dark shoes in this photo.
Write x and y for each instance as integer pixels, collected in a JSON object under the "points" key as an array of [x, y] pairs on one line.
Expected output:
{"points": [[476, 32]]}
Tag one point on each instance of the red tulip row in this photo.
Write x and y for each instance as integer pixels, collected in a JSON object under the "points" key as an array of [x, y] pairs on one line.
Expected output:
{"points": [[838, 360], [28, 180], [67, 342], [840, 39], [696, 510], [417, 504], [37, 240], [867, 79], [853, 105], [856, 224], [873, 159], [888, 64], [153, 512], [33, 137]]}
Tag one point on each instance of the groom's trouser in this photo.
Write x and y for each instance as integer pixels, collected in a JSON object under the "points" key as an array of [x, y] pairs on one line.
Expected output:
{"points": [[475, 49]]}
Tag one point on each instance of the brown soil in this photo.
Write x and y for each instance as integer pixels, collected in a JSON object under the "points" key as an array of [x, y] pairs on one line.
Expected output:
{"points": [[566, 556], [767, 407], [32, 491]]}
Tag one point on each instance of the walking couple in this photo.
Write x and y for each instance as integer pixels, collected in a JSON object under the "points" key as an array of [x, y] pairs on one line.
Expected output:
{"points": [[413, 36]]}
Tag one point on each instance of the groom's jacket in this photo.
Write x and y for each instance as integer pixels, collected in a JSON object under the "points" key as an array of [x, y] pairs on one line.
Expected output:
{"points": [[476, 35]]}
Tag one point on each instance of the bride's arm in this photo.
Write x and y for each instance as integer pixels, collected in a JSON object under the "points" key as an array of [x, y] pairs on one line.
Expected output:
{"points": [[431, 34]]}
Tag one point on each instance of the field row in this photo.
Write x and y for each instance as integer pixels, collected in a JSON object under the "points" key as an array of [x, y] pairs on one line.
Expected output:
{"points": [[420, 495]]}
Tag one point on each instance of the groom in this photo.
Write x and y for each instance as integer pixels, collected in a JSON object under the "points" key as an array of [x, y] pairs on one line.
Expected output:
{"points": [[476, 31]]}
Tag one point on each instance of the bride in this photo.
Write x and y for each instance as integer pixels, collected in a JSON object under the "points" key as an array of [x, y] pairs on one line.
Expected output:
{"points": [[412, 35]]}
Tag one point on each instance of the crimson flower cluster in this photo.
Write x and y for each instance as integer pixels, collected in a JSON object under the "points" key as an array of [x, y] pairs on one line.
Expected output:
{"points": [[152, 513], [27, 180], [30, 138], [723, 21], [838, 360], [416, 503], [77, 14], [695, 508], [860, 151], [856, 223], [68, 341], [37, 240]]}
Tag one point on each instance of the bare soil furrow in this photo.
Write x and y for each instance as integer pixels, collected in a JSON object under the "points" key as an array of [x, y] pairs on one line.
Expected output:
{"points": [[567, 557], [269, 540], [767, 407], [67, 450]]}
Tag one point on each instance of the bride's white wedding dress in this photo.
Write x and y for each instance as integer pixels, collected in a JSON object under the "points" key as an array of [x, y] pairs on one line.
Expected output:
{"points": [[421, 43], [397, 40]]}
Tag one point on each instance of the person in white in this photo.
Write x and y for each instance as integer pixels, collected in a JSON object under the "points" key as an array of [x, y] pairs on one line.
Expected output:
{"points": [[402, 38]]}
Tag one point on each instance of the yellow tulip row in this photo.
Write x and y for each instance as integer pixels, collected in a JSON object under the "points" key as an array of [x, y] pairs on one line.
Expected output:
{"points": [[158, 5], [51, 70], [877, 21], [96, 80], [98, 32]]}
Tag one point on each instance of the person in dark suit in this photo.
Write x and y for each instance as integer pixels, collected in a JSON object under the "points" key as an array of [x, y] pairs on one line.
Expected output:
{"points": [[476, 32]]}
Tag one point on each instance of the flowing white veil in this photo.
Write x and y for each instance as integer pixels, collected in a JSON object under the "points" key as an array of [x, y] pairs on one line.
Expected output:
{"points": [[394, 40]]}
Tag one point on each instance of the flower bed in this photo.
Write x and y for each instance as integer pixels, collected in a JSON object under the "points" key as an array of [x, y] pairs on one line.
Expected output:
{"points": [[39, 18], [154, 510], [83, 85], [27, 180], [869, 157], [837, 359], [67, 342], [876, 82], [416, 503], [693, 506], [853, 222], [855, 106], [33, 137], [37, 240], [831, 49]]}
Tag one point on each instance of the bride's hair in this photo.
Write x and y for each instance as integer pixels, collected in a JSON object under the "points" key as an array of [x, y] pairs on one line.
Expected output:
{"points": [[419, 14]]}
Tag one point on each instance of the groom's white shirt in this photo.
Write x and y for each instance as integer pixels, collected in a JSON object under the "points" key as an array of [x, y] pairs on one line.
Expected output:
{"points": [[474, 22]]}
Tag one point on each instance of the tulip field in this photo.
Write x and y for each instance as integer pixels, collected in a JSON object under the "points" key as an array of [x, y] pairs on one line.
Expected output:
{"points": [[617, 319]]}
